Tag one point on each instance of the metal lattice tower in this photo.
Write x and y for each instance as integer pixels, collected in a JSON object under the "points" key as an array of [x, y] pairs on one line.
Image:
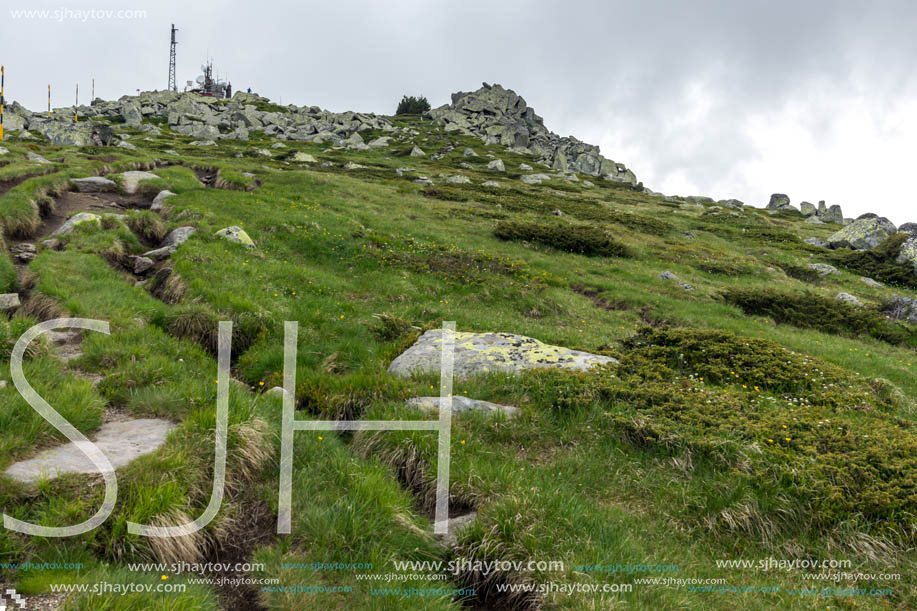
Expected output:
{"points": [[172, 85]]}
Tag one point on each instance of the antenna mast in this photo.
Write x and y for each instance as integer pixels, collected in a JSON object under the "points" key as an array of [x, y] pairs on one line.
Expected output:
{"points": [[172, 86]]}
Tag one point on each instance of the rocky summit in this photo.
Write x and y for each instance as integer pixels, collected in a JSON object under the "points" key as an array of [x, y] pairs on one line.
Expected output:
{"points": [[500, 116]]}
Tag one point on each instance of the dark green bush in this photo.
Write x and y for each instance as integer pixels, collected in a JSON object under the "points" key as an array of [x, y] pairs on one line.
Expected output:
{"points": [[726, 359], [878, 263], [800, 273], [410, 105], [811, 311], [580, 239], [814, 445], [638, 222]]}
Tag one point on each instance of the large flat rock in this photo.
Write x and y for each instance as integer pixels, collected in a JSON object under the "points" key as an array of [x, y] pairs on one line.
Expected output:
{"points": [[461, 404], [120, 441], [477, 353]]}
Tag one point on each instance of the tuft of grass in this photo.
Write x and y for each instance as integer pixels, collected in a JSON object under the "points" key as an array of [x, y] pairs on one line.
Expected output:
{"points": [[148, 226]]}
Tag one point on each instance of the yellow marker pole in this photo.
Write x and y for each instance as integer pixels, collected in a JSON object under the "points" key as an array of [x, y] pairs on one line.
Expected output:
{"points": [[2, 82]]}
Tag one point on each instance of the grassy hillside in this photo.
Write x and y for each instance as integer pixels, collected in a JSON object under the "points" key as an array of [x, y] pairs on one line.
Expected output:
{"points": [[751, 414]]}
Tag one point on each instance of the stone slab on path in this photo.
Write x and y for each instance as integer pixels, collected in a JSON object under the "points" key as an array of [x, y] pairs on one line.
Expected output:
{"points": [[477, 353], [130, 181], [120, 441]]}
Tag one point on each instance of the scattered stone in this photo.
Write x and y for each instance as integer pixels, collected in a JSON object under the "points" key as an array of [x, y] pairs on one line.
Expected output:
{"points": [[276, 390], [910, 228], [534, 179], [848, 298], [93, 184], [52, 244], [816, 242], [301, 157], [380, 142], [778, 201], [9, 301], [77, 219], [808, 209], [36, 157], [281, 145], [461, 404], [477, 353], [814, 220], [863, 234], [422, 180], [823, 269], [902, 308], [350, 165], [731, 203], [588, 183], [833, 215], [127, 145], [142, 265], [491, 183], [872, 283], [120, 441], [667, 275], [688, 235], [24, 252], [263, 153], [417, 152], [197, 143], [176, 238], [525, 167], [699, 199], [160, 200], [686, 286], [557, 212], [907, 255], [496, 165], [469, 152], [130, 181], [4, 151], [236, 234], [459, 179]]}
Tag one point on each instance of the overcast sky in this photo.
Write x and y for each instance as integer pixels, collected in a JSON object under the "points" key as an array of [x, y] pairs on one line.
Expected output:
{"points": [[815, 99]]}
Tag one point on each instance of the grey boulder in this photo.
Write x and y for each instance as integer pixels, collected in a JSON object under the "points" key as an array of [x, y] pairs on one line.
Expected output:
{"points": [[477, 353]]}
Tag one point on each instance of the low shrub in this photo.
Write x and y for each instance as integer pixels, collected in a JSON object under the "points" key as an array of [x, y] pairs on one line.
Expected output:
{"points": [[815, 446], [811, 311], [878, 263], [579, 239], [638, 222], [798, 272]]}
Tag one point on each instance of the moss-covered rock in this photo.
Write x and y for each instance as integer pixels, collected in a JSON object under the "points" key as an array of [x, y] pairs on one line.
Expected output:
{"points": [[477, 353]]}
